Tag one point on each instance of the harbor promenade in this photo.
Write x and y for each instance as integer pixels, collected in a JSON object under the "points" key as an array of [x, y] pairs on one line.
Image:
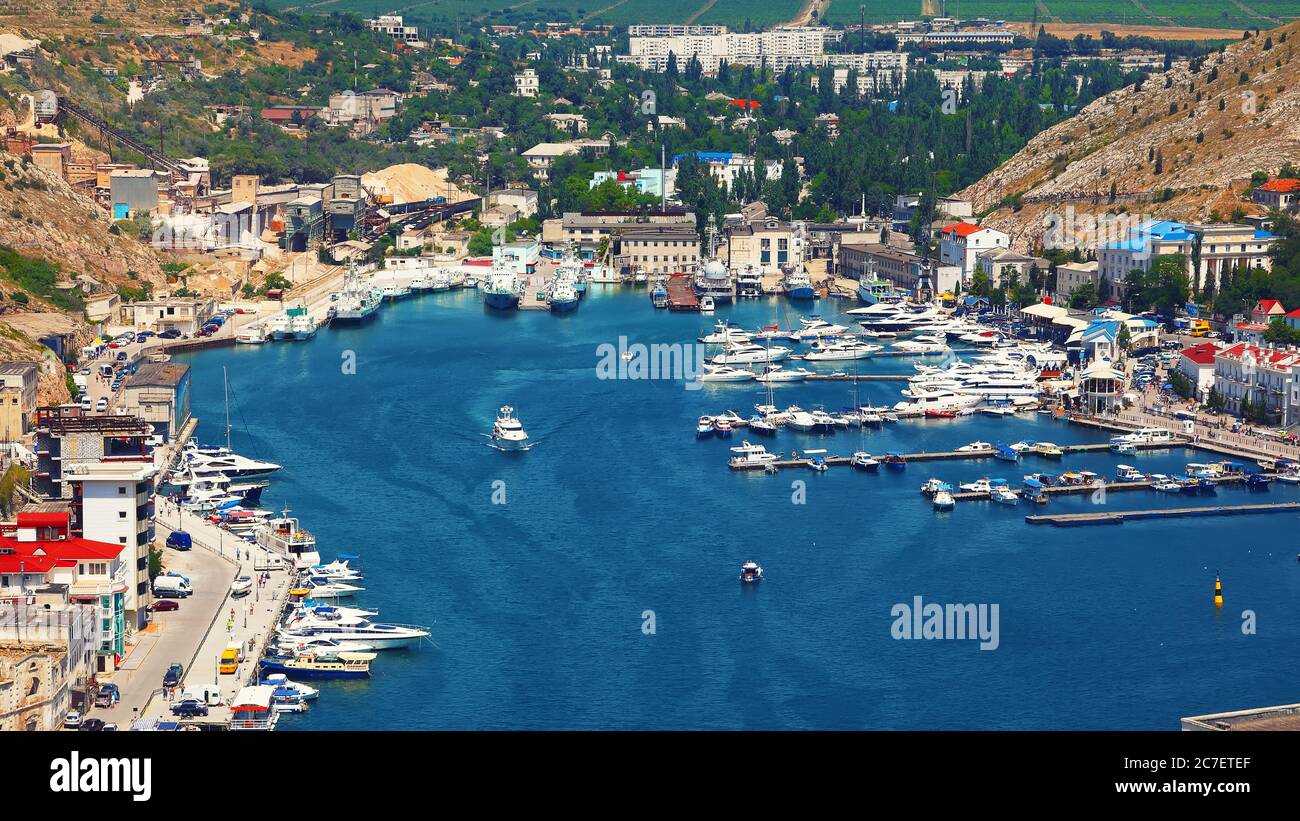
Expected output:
{"points": [[254, 616]]}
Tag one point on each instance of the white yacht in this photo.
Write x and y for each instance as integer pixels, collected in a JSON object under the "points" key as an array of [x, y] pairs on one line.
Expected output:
{"points": [[283, 535], [724, 333], [507, 433], [840, 351], [726, 373], [231, 465], [254, 334], [814, 327], [777, 373], [748, 353], [748, 454], [326, 622], [921, 344], [936, 400]]}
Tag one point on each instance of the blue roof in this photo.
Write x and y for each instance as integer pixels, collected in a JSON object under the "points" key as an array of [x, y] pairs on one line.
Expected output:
{"points": [[705, 156], [1104, 328], [1261, 234], [1164, 230]]}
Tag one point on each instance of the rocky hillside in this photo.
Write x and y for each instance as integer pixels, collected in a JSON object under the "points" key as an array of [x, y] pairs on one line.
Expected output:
{"points": [[1181, 147]]}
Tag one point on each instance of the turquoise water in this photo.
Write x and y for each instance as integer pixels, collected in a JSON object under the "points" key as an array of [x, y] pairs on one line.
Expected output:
{"points": [[536, 605]]}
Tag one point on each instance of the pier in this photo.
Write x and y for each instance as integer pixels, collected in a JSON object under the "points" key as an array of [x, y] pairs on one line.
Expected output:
{"points": [[1119, 517], [951, 455], [1090, 487], [681, 294], [532, 295]]}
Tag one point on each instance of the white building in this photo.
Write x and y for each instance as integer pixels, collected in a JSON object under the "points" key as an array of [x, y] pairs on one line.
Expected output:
{"points": [[112, 502], [962, 243], [714, 45], [527, 83], [1197, 364], [393, 26]]}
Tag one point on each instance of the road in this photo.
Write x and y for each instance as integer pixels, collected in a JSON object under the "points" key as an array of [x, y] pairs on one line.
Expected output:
{"points": [[173, 636]]}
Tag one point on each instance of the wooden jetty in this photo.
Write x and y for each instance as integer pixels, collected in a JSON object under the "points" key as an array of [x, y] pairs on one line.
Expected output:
{"points": [[1119, 517], [681, 294]]}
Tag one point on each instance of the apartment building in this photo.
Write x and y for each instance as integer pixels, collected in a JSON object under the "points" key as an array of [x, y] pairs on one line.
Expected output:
{"points": [[1221, 247], [769, 244], [395, 27], [1071, 275], [587, 230], [1265, 376], [960, 245], [657, 249], [777, 49]]}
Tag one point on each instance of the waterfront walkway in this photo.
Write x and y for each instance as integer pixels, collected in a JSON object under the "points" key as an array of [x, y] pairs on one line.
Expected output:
{"points": [[254, 616]]}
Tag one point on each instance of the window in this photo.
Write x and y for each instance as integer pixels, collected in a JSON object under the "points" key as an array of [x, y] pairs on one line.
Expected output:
{"points": [[121, 490]]}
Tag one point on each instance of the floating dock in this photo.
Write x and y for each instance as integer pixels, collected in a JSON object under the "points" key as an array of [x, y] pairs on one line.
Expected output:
{"points": [[1075, 490], [940, 456], [681, 294], [1119, 517]]}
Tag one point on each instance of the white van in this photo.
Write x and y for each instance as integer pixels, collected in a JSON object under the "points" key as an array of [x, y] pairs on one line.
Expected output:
{"points": [[209, 694], [171, 587]]}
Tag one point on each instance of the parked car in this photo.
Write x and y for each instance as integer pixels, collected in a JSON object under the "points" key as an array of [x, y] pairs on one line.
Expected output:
{"points": [[102, 404], [109, 727], [164, 606], [170, 333], [107, 696], [92, 724], [72, 720], [173, 676], [189, 707]]}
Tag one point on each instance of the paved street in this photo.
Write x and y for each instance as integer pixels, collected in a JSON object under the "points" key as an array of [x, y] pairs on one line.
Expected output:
{"points": [[173, 636]]}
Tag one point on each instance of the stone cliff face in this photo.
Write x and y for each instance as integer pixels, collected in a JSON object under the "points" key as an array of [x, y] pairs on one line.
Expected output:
{"points": [[1205, 131]]}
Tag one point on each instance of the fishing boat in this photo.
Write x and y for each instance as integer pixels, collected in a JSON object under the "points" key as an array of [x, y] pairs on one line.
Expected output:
{"points": [[894, 460], [562, 297], [943, 500], [748, 454], [347, 665], [706, 305], [1258, 481], [1128, 473], [1123, 448], [1049, 450], [932, 486], [507, 432], [750, 572], [1006, 453], [659, 294], [704, 428], [798, 285]]}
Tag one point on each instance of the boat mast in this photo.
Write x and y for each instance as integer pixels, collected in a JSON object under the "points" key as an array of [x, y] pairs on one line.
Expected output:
{"points": [[225, 382]]}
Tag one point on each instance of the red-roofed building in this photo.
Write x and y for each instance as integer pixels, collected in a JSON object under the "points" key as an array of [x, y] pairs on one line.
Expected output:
{"points": [[961, 243], [38, 556], [1265, 311], [1197, 364], [1279, 193], [1267, 377]]}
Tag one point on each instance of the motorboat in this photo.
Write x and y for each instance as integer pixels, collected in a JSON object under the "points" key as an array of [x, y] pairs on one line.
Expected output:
{"points": [[562, 296], [704, 428], [937, 400], [288, 645], [981, 485], [280, 680], [750, 572], [242, 586], [230, 465], [748, 454], [939, 414], [801, 420], [813, 327], [1004, 495], [1006, 453], [1164, 484], [726, 373], [749, 281], [254, 334], [921, 344], [761, 426], [659, 294], [1128, 473], [974, 446], [894, 460], [707, 305], [746, 353], [839, 351], [324, 589], [861, 460], [777, 373], [1123, 448], [932, 486], [822, 421], [337, 569], [1049, 450], [724, 333], [943, 500], [507, 432], [723, 428], [346, 665]]}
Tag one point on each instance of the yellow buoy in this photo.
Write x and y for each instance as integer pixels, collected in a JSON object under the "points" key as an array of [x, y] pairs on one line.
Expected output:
{"points": [[1218, 592]]}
